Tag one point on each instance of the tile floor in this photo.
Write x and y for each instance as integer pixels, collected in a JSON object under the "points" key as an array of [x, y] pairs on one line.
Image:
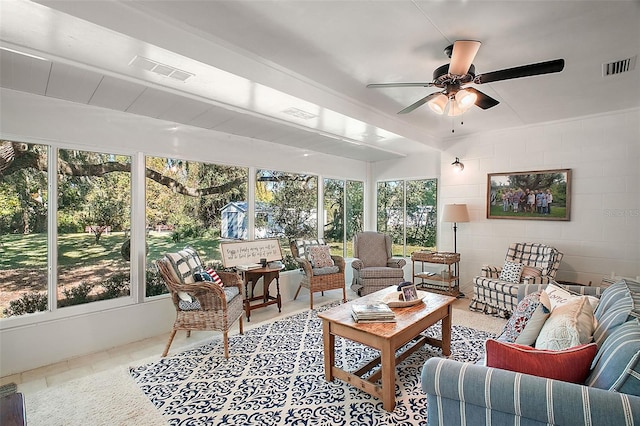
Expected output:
{"points": [[136, 353]]}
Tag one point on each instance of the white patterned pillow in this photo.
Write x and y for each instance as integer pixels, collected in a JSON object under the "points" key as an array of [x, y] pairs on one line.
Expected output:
{"points": [[511, 272], [186, 263], [320, 256], [559, 296], [570, 324]]}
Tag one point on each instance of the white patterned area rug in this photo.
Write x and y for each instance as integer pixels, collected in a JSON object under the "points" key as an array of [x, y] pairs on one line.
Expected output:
{"points": [[275, 376]]}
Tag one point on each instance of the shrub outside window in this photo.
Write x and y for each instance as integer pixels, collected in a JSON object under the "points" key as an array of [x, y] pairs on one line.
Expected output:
{"points": [[407, 210]]}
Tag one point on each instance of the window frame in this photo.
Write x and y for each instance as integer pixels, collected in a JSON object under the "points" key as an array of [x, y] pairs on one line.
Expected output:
{"points": [[404, 183], [138, 219]]}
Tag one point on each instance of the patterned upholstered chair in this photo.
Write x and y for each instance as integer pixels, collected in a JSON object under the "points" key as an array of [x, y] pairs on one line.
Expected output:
{"points": [[374, 268], [201, 305], [495, 291], [321, 271]]}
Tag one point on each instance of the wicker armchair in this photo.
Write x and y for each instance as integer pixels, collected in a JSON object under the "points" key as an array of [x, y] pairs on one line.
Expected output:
{"points": [[213, 307], [318, 279], [373, 266]]}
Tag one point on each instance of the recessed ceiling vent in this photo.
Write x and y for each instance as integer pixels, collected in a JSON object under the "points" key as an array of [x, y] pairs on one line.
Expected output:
{"points": [[618, 67], [298, 113], [158, 68]]}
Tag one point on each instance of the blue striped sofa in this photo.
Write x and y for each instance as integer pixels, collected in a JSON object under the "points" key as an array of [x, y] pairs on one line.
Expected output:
{"points": [[471, 394]]}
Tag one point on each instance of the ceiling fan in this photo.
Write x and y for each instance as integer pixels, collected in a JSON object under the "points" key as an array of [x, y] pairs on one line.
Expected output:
{"points": [[452, 78]]}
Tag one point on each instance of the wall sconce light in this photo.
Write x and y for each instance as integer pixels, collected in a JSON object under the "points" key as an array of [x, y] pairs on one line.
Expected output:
{"points": [[457, 165]]}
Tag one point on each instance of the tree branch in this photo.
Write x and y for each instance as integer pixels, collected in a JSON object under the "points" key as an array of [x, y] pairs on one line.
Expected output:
{"points": [[21, 159]]}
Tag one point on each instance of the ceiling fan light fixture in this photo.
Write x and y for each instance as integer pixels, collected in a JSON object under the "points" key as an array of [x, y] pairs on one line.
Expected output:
{"points": [[466, 99], [455, 109], [438, 104]]}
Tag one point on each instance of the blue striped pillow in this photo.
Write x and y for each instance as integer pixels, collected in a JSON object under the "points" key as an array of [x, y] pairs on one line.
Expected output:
{"points": [[610, 295], [617, 364], [617, 305]]}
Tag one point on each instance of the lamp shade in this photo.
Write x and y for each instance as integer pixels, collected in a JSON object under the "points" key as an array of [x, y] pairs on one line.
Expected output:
{"points": [[438, 104], [466, 99], [456, 213]]}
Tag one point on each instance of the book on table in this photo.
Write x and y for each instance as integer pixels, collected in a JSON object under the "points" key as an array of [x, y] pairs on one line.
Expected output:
{"points": [[372, 312], [248, 266]]}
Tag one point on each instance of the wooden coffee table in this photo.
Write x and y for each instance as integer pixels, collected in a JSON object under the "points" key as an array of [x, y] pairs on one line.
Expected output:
{"points": [[385, 337]]}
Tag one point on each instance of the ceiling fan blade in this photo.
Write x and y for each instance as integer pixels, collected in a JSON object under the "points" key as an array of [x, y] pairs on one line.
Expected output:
{"points": [[484, 101], [464, 51], [418, 103], [377, 85], [547, 67]]}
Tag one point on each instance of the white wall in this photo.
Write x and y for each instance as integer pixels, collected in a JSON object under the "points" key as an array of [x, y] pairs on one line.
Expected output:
{"points": [[603, 235], [27, 343]]}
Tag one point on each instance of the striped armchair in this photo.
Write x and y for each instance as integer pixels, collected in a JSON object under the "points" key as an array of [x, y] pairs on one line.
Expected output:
{"points": [[495, 296], [374, 268]]}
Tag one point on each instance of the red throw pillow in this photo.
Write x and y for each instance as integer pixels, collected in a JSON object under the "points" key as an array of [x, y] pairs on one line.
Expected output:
{"points": [[569, 365], [214, 276]]}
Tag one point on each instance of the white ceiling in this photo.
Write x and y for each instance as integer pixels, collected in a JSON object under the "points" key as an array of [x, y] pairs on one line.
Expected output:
{"points": [[251, 61]]}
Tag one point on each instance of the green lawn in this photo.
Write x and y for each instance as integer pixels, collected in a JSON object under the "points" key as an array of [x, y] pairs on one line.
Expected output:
{"points": [[161, 243], [19, 251], [556, 212]]}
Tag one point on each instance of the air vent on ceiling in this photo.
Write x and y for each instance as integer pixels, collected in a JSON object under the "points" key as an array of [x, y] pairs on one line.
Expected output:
{"points": [[158, 68], [369, 135], [618, 67], [298, 113]]}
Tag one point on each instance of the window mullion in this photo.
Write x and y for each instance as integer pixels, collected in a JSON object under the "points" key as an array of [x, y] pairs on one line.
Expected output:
{"points": [[137, 228], [404, 218], [52, 231], [251, 203]]}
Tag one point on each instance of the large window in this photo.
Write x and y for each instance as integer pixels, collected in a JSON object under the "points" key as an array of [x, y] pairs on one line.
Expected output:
{"points": [[192, 203], [406, 210], [334, 215], [343, 214], [354, 213], [23, 228], [186, 203], [94, 220], [286, 207]]}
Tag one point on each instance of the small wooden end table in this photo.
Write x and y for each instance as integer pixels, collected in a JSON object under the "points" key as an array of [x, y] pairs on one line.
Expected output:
{"points": [[385, 337], [447, 281], [251, 278]]}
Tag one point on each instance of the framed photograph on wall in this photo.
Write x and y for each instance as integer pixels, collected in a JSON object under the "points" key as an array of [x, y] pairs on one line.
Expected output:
{"points": [[539, 195]]}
